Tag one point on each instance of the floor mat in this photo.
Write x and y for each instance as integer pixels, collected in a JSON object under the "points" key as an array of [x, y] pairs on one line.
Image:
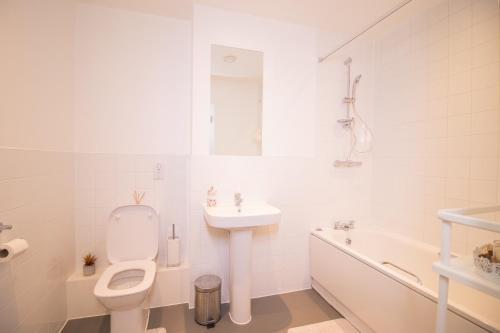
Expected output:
{"points": [[330, 326]]}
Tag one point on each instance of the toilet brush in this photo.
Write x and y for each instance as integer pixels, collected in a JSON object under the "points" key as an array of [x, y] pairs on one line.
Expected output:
{"points": [[173, 249]]}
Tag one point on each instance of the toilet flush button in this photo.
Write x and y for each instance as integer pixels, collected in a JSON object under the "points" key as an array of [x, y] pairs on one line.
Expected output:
{"points": [[158, 172]]}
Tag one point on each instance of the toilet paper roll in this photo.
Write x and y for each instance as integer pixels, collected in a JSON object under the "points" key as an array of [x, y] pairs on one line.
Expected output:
{"points": [[173, 252], [12, 249]]}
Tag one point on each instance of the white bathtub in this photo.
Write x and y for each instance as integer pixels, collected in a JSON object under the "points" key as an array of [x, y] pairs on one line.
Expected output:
{"points": [[383, 299]]}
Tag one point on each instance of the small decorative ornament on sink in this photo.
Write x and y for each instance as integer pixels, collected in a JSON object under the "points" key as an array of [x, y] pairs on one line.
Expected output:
{"points": [[89, 261], [486, 260], [211, 197]]}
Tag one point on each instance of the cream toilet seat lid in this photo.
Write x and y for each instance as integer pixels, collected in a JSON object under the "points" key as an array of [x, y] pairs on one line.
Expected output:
{"points": [[148, 266]]}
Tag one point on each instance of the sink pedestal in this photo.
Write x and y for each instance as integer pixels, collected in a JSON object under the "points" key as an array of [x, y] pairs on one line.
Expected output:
{"points": [[240, 272], [240, 222]]}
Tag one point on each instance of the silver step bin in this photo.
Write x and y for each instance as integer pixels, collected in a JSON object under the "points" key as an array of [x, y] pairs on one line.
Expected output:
{"points": [[207, 301]]}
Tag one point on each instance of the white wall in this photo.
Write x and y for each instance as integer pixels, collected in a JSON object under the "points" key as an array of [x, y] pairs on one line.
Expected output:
{"points": [[437, 119], [308, 190], [36, 63], [132, 111], [132, 82], [36, 164], [106, 181], [429, 89], [289, 82]]}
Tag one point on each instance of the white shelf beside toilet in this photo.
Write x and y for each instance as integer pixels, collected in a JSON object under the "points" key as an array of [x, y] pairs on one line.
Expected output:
{"points": [[462, 269], [171, 287]]}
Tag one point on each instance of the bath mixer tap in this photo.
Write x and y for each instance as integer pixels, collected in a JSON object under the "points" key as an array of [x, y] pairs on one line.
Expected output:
{"points": [[238, 200], [344, 225]]}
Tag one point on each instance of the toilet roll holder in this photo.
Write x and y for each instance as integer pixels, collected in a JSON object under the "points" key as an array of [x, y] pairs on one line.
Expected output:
{"points": [[5, 227]]}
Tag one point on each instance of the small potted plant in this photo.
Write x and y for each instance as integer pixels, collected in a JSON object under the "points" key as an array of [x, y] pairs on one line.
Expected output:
{"points": [[89, 264]]}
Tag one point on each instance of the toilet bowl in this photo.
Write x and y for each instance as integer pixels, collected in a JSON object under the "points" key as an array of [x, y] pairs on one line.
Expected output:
{"points": [[123, 288], [124, 285]]}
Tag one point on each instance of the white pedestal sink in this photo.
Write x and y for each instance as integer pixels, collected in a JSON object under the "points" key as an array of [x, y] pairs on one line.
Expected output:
{"points": [[240, 226]]}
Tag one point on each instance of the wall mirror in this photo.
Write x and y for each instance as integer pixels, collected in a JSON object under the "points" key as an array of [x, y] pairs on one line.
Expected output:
{"points": [[236, 101]]}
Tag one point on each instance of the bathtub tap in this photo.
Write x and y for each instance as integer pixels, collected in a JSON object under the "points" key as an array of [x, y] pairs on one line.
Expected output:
{"points": [[346, 226]]}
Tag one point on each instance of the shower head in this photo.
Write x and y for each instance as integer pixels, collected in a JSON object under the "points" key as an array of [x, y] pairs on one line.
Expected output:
{"points": [[354, 84]]}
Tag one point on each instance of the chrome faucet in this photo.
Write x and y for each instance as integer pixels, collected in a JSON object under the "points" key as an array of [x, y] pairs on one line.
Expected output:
{"points": [[238, 200], [344, 225]]}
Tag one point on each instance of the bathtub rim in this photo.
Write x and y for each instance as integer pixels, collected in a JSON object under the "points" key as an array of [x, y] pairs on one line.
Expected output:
{"points": [[422, 290]]}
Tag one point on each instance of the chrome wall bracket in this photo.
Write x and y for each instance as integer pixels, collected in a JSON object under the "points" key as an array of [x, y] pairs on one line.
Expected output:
{"points": [[346, 163]]}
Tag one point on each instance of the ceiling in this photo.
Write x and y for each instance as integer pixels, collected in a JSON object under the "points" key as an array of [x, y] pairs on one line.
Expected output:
{"points": [[182, 9], [342, 16]]}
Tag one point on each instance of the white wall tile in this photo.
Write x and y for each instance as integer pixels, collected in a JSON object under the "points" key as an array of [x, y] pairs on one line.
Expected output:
{"points": [[460, 82], [465, 172], [457, 189], [458, 168], [485, 76], [460, 41], [460, 104], [117, 176], [486, 53], [484, 145], [461, 20], [485, 99], [483, 191], [460, 61], [484, 122], [484, 168], [459, 125], [482, 10], [485, 31], [40, 212]]}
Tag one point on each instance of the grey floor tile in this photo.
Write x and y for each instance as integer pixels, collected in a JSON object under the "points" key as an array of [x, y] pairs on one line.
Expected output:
{"points": [[273, 314], [100, 324]]}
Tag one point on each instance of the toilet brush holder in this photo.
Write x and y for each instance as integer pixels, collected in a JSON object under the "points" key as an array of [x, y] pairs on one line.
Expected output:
{"points": [[173, 252], [173, 249]]}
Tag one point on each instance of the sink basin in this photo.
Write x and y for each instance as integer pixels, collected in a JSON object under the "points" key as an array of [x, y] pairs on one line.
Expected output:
{"points": [[251, 215], [240, 225]]}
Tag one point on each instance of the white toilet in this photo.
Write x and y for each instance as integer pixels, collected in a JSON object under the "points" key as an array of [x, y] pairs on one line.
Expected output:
{"points": [[131, 246]]}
